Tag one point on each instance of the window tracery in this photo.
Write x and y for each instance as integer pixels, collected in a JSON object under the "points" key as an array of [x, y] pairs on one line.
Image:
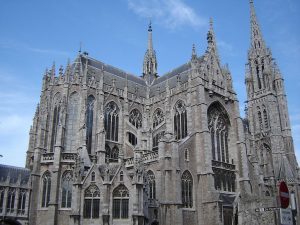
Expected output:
{"points": [[121, 202], [112, 155], [187, 189], [10, 205], [91, 206], [180, 120], [89, 122], [152, 186], [135, 118], [158, 117], [46, 185], [66, 195], [218, 125], [71, 126], [111, 121]]}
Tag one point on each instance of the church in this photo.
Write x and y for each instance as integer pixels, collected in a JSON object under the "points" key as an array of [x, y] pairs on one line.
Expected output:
{"points": [[112, 148]]}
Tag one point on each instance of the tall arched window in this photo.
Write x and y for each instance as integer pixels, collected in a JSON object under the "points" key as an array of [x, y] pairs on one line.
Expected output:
{"points": [[112, 155], [152, 188], [121, 202], [135, 118], [55, 121], [10, 205], [46, 191], [180, 120], [156, 139], [66, 195], [91, 206], [89, 122], [187, 189], [72, 121], [2, 190], [266, 120], [111, 121], [218, 125], [158, 117], [132, 138], [257, 75], [22, 201]]}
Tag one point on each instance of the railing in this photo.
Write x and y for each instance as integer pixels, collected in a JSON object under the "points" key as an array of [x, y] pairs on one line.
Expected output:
{"points": [[223, 165], [69, 157], [150, 157], [129, 162], [47, 157]]}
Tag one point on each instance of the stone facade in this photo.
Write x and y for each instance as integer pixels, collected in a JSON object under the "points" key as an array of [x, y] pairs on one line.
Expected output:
{"points": [[15, 190], [108, 147]]}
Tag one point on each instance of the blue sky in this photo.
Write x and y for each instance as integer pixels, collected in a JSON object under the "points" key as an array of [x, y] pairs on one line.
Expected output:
{"points": [[35, 33]]}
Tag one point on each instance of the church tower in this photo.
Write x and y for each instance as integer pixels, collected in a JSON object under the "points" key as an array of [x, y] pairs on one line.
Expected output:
{"points": [[150, 63], [271, 145]]}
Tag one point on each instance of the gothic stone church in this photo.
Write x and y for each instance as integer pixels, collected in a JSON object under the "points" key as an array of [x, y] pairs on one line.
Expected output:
{"points": [[108, 147]]}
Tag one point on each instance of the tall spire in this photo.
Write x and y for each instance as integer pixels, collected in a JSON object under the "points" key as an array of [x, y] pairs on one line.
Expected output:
{"points": [[150, 44], [257, 41], [150, 64]]}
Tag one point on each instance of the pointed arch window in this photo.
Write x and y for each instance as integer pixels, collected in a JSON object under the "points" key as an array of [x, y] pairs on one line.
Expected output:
{"points": [[22, 201], [89, 122], [132, 139], [2, 191], [93, 176], [72, 119], [180, 120], [135, 118], [257, 75], [158, 117], [112, 155], [111, 121], [55, 122], [156, 139], [11, 196], [91, 206], [187, 189], [46, 191], [66, 195], [152, 186], [121, 202], [218, 125], [266, 120]]}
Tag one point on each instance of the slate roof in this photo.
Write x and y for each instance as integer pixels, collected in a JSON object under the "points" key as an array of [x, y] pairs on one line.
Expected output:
{"points": [[13, 173]]}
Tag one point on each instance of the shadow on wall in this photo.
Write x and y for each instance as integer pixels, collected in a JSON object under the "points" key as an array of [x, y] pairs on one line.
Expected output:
{"points": [[9, 222]]}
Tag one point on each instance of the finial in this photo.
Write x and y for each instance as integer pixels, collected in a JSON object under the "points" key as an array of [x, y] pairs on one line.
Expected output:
{"points": [[194, 54], [150, 26], [80, 46], [211, 23], [251, 1]]}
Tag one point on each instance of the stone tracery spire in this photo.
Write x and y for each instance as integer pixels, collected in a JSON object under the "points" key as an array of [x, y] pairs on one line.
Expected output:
{"points": [[257, 41], [150, 63]]}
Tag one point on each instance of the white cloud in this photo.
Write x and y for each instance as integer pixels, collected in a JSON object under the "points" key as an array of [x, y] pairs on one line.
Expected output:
{"points": [[171, 13]]}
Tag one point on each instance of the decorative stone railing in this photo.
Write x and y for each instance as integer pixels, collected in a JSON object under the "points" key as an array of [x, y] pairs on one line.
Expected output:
{"points": [[47, 157], [69, 157], [129, 162], [223, 165], [150, 157]]}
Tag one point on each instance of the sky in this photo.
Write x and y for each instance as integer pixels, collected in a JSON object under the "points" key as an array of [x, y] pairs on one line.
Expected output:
{"points": [[36, 33]]}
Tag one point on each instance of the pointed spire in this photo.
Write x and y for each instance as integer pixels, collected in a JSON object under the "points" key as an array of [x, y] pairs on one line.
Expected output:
{"points": [[211, 34], [257, 40], [150, 44], [150, 64], [194, 53]]}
